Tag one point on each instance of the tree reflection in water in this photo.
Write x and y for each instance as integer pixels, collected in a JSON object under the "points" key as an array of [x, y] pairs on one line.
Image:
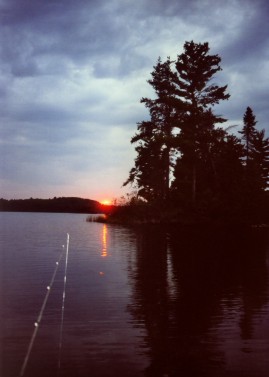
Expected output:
{"points": [[198, 293]]}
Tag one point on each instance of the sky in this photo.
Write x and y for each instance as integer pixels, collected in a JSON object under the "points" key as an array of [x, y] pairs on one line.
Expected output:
{"points": [[72, 74]]}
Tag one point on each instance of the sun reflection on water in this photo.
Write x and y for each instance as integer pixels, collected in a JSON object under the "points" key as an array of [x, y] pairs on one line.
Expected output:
{"points": [[104, 239]]}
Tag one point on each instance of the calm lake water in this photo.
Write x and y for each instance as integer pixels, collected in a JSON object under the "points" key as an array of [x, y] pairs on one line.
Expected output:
{"points": [[139, 302]]}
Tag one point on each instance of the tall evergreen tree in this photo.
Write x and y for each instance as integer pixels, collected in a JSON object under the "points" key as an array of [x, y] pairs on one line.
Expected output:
{"points": [[256, 168], [149, 171], [211, 168], [248, 131], [153, 164], [259, 157], [195, 68], [256, 154], [182, 123]]}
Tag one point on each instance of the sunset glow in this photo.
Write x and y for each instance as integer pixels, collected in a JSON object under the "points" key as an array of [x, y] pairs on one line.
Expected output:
{"points": [[106, 202]]}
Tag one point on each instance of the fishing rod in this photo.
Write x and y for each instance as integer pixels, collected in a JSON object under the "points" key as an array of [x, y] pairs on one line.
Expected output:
{"points": [[63, 303], [39, 318]]}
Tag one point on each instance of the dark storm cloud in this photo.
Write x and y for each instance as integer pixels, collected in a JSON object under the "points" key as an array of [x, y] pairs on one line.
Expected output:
{"points": [[251, 42], [44, 29], [76, 31], [82, 30], [72, 74]]}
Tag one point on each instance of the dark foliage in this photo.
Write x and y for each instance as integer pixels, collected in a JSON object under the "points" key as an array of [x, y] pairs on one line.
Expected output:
{"points": [[64, 205], [184, 162]]}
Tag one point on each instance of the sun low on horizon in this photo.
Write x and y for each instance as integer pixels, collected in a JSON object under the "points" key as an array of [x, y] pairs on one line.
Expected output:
{"points": [[106, 202]]}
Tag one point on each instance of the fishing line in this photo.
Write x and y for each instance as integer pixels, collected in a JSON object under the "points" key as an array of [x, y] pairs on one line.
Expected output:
{"points": [[63, 303], [39, 318]]}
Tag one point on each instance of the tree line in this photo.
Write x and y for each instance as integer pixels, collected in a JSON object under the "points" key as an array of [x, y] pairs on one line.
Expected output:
{"points": [[61, 205], [186, 158]]}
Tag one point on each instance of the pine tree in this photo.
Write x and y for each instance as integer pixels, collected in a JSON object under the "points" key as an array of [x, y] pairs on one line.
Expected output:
{"points": [[181, 123], [248, 131], [194, 70], [149, 170], [256, 154], [153, 164], [259, 157], [256, 168]]}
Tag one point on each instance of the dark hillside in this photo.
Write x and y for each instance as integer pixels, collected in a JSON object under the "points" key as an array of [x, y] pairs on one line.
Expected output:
{"points": [[64, 205]]}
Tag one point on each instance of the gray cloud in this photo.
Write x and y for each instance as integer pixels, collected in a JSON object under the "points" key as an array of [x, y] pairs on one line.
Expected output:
{"points": [[72, 74]]}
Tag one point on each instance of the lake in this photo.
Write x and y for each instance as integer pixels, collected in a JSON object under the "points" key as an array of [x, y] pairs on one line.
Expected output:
{"points": [[142, 301]]}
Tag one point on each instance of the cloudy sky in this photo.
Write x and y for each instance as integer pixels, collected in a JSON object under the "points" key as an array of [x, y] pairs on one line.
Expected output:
{"points": [[72, 74]]}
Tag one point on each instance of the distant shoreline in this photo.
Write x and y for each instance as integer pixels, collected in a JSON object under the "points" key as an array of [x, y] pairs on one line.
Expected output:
{"points": [[55, 205]]}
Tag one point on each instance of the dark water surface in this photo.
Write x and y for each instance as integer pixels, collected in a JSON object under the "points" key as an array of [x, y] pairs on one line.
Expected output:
{"points": [[139, 302]]}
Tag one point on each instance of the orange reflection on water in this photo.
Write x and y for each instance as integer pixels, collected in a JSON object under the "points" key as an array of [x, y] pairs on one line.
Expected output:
{"points": [[104, 239]]}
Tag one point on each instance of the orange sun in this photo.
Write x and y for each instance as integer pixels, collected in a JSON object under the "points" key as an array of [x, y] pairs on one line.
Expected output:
{"points": [[106, 202]]}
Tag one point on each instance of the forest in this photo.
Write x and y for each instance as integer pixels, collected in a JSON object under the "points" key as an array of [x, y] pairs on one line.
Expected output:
{"points": [[188, 163], [63, 204]]}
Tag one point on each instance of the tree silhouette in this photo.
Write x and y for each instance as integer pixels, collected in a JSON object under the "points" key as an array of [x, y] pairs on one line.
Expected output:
{"points": [[150, 170], [248, 131], [195, 68], [155, 137], [181, 120], [184, 160], [256, 148], [259, 157]]}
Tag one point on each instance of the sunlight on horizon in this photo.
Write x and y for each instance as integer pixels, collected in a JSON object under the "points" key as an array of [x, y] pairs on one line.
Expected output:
{"points": [[106, 202]]}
